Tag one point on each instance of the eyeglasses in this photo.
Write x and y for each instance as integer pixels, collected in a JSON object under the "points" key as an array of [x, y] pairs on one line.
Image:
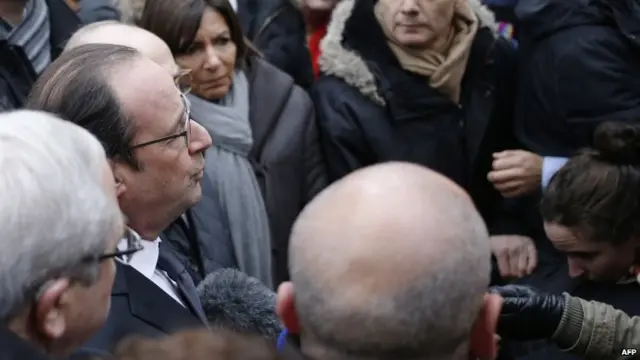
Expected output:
{"points": [[186, 132], [134, 245], [183, 80]]}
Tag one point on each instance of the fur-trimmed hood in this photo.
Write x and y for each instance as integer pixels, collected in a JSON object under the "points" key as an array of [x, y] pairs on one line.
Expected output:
{"points": [[347, 63]]}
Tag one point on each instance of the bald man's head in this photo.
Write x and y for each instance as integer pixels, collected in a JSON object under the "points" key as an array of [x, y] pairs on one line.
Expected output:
{"points": [[393, 259], [116, 33]]}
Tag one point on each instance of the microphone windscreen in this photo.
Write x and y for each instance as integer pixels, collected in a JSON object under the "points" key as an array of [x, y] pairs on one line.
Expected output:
{"points": [[238, 302]]}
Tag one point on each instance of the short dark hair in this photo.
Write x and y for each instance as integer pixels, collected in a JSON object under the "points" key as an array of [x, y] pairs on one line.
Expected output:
{"points": [[76, 88], [177, 22], [598, 191]]}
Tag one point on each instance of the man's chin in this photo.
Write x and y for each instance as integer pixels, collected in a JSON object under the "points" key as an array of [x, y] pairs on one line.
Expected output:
{"points": [[196, 194]]}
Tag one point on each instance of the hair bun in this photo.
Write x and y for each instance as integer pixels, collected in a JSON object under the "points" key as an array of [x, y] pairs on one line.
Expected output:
{"points": [[618, 142]]}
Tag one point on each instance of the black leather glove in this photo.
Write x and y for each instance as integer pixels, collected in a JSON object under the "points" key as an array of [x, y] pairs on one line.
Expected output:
{"points": [[528, 315]]}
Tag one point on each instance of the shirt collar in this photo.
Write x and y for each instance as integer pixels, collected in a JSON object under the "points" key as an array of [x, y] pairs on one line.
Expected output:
{"points": [[145, 260]]}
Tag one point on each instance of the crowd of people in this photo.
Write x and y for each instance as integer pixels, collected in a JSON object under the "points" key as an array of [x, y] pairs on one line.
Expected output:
{"points": [[319, 179]]}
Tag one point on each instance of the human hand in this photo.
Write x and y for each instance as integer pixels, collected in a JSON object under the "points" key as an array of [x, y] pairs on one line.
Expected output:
{"points": [[526, 314], [515, 172], [516, 255]]}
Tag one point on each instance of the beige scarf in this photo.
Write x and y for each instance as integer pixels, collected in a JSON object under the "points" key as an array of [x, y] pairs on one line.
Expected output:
{"points": [[444, 70]]}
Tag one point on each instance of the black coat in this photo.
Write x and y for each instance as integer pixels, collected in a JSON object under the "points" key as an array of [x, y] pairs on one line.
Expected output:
{"points": [[140, 307], [370, 110], [579, 67], [17, 75], [278, 30], [13, 347]]}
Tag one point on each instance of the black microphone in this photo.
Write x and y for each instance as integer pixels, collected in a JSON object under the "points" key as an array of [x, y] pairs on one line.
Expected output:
{"points": [[237, 302]]}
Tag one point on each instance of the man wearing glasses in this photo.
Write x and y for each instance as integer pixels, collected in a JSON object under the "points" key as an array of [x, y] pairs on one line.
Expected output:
{"points": [[200, 235], [156, 153], [60, 225]]}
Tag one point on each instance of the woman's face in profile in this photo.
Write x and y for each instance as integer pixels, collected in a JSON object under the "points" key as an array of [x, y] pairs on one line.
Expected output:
{"points": [[594, 260], [211, 58]]}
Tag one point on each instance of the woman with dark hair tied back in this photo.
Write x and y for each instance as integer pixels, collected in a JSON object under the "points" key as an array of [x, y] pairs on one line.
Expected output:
{"points": [[591, 208], [591, 212], [265, 164]]}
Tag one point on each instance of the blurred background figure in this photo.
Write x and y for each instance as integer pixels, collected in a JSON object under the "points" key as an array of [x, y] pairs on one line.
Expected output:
{"points": [[234, 301], [90, 11], [317, 14], [156, 153], [277, 29], [266, 162], [198, 345], [61, 225], [390, 262], [32, 35]]}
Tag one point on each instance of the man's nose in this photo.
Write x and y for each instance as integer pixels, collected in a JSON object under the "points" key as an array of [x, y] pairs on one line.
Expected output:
{"points": [[409, 6], [200, 139], [576, 269]]}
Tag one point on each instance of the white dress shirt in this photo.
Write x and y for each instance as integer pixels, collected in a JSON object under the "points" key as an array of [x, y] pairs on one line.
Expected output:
{"points": [[234, 4], [550, 166], [146, 260]]}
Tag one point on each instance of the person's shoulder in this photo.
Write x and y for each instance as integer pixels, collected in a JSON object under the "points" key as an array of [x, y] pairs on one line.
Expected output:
{"points": [[591, 43], [601, 49], [265, 77], [333, 89], [258, 68], [269, 7]]}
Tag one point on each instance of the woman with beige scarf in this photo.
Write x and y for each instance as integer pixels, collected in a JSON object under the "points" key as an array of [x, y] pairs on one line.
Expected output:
{"points": [[428, 82]]}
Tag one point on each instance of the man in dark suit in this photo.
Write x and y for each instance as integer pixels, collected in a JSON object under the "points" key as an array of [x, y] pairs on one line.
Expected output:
{"points": [[202, 231], [156, 152], [56, 268]]}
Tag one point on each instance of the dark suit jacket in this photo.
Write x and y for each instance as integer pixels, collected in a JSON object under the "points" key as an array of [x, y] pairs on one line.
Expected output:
{"points": [[13, 347], [140, 307]]}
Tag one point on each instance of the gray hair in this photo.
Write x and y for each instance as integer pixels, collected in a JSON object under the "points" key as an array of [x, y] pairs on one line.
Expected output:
{"points": [[54, 213], [430, 316]]}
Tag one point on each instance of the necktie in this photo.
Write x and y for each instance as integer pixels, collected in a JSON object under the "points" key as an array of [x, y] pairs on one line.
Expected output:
{"points": [[178, 273]]}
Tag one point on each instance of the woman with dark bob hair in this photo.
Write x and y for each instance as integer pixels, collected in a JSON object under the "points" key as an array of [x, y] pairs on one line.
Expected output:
{"points": [[592, 213], [266, 163]]}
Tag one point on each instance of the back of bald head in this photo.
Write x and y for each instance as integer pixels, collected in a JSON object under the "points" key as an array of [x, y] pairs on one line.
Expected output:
{"points": [[117, 33], [393, 259]]}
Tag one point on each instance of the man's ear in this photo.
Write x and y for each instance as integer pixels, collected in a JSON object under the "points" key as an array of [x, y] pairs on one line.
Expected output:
{"points": [[484, 341], [50, 314], [119, 173], [286, 308]]}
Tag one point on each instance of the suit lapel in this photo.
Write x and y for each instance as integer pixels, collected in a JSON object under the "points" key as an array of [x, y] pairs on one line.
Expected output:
{"points": [[149, 303], [185, 282]]}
